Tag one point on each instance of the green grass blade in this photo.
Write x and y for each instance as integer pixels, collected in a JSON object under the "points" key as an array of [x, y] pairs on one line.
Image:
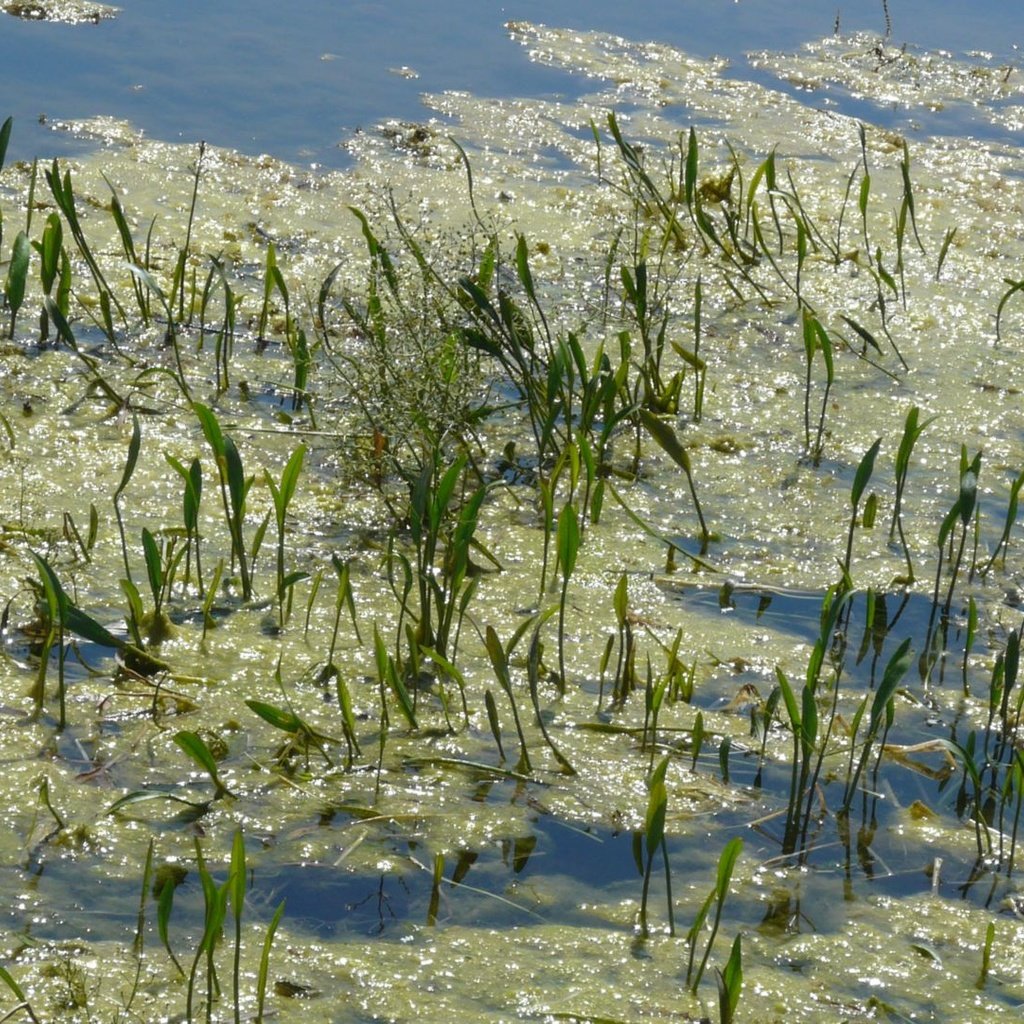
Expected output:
{"points": [[264, 969], [193, 745], [134, 446]]}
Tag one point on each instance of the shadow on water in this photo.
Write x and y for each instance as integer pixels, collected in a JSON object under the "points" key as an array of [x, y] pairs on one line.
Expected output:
{"points": [[928, 802], [936, 808], [552, 873], [926, 814]]}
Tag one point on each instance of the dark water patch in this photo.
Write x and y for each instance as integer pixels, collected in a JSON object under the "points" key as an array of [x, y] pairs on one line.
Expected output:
{"points": [[549, 873]]}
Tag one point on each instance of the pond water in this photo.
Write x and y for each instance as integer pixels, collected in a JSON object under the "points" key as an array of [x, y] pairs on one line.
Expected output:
{"points": [[463, 840], [296, 80]]}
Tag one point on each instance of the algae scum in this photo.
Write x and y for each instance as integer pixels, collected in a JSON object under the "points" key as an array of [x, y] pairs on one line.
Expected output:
{"points": [[567, 561]]}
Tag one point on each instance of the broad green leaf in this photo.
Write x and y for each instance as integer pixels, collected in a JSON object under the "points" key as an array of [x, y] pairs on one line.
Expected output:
{"points": [[17, 272], [726, 863], [654, 824], [863, 474], [193, 745], [389, 675], [133, 455], [154, 564], [568, 539], [895, 670], [279, 718], [211, 428], [789, 700], [499, 659], [5, 975], [666, 438]]}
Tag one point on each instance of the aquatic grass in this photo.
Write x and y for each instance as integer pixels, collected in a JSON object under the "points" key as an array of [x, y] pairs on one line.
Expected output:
{"points": [[1012, 794], [625, 679], [533, 675], [654, 840], [970, 797], [161, 563], [986, 955], [390, 679], [669, 442], [24, 1005], [192, 493], [499, 663], [301, 735], [1003, 543], [55, 604], [167, 877], [907, 205], [17, 277], [215, 899], [264, 968], [236, 898], [139, 942], [53, 266], [696, 195], [693, 357], [72, 534], [129, 251], [947, 241], [649, 312], [283, 494], [912, 430], [47, 801], [63, 193], [63, 616], [717, 897], [294, 335], [506, 334], [224, 340], [730, 983], [149, 283], [494, 722], [443, 515], [653, 698], [344, 598], [131, 461], [234, 487], [860, 480], [211, 595], [884, 285], [761, 719], [178, 285], [97, 380], [195, 747], [271, 278], [963, 510], [816, 339], [568, 549], [1015, 286], [576, 399], [811, 735], [803, 724], [879, 720]]}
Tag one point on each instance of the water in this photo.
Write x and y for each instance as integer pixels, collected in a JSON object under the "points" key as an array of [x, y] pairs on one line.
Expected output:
{"points": [[296, 82], [296, 79]]}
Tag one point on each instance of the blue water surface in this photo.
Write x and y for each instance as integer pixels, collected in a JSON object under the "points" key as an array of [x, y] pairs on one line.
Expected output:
{"points": [[294, 79]]}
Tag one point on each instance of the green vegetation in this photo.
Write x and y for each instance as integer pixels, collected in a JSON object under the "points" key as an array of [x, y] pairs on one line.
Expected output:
{"points": [[431, 439]]}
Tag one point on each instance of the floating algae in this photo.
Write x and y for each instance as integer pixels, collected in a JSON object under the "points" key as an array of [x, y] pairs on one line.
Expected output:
{"points": [[357, 848], [70, 12]]}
